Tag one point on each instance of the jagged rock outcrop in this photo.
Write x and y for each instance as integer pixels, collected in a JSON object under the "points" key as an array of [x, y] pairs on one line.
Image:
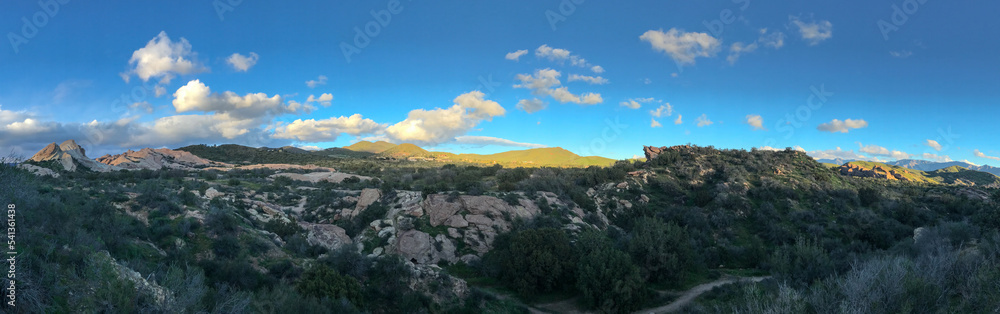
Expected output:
{"points": [[70, 156], [877, 172], [155, 159]]}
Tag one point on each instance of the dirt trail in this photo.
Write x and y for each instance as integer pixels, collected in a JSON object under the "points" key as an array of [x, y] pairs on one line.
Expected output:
{"points": [[693, 293]]}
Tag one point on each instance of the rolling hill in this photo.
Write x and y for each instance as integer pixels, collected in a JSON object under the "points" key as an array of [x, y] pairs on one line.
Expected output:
{"points": [[369, 147]]}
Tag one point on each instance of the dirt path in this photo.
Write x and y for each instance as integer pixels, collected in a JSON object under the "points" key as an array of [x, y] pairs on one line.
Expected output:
{"points": [[693, 293]]}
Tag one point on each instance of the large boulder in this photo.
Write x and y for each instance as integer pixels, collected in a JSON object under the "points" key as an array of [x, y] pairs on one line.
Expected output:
{"points": [[329, 236], [420, 248]]}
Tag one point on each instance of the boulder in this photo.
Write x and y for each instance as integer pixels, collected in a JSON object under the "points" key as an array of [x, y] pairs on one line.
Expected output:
{"points": [[420, 248], [329, 236], [456, 221]]}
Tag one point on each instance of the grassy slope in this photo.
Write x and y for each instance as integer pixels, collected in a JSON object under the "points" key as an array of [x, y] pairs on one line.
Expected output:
{"points": [[369, 147]]}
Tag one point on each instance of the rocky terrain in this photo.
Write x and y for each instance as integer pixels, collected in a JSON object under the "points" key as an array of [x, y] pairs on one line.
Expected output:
{"points": [[878, 172], [155, 159]]}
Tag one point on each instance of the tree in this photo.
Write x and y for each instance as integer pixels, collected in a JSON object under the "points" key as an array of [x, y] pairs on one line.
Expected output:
{"points": [[662, 250], [534, 261], [324, 282], [606, 277]]}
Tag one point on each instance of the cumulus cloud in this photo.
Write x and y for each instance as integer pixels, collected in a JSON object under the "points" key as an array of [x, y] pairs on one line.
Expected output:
{"points": [[324, 99], [880, 151], [243, 63], [678, 121], [326, 130], [437, 126], [196, 96], [755, 121], [933, 144], [487, 140], [655, 124], [593, 80], [982, 155], [704, 121], [546, 83], [663, 111], [563, 56], [842, 126], [516, 56], [813, 32], [837, 153], [531, 106], [636, 103], [163, 58], [321, 80], [682, 46]]}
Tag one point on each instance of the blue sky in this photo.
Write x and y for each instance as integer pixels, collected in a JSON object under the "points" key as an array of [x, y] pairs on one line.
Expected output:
{"points": [[491, 76]]}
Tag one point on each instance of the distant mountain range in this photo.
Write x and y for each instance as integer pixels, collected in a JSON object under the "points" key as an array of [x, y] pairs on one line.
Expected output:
{"points": [[957, 175], [924, 165]]}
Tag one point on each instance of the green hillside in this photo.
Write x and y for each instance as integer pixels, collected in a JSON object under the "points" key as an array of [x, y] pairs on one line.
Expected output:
{"points": [[405, 150], [369, 147], [961, 175], [553, 156]]}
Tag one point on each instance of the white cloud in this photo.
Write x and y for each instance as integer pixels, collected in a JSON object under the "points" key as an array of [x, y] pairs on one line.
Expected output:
{"points": [[937, 158], [933, 144], [321, 80], [636, 103], [310, 148], [243, 63], [546, 83], [774, 40], [665, 110], [880, 151], [838, 153], [327, 130], [655, 124], [487, 140], [739, 48], [756, 121], [324, 99], [164, 59], [982, 155], [531, 106], [433, 127], [901, 54], [813, 32], [842, 126], [196, 96], [159, 90], [704, 121], [563, 55], [683, 47], [516, 56], [593, 80], [678, 121]]}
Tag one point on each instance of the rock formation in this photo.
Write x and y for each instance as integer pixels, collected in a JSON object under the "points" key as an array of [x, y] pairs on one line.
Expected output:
{"points": [[69, 155], [155, 159], [877, 172]]}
